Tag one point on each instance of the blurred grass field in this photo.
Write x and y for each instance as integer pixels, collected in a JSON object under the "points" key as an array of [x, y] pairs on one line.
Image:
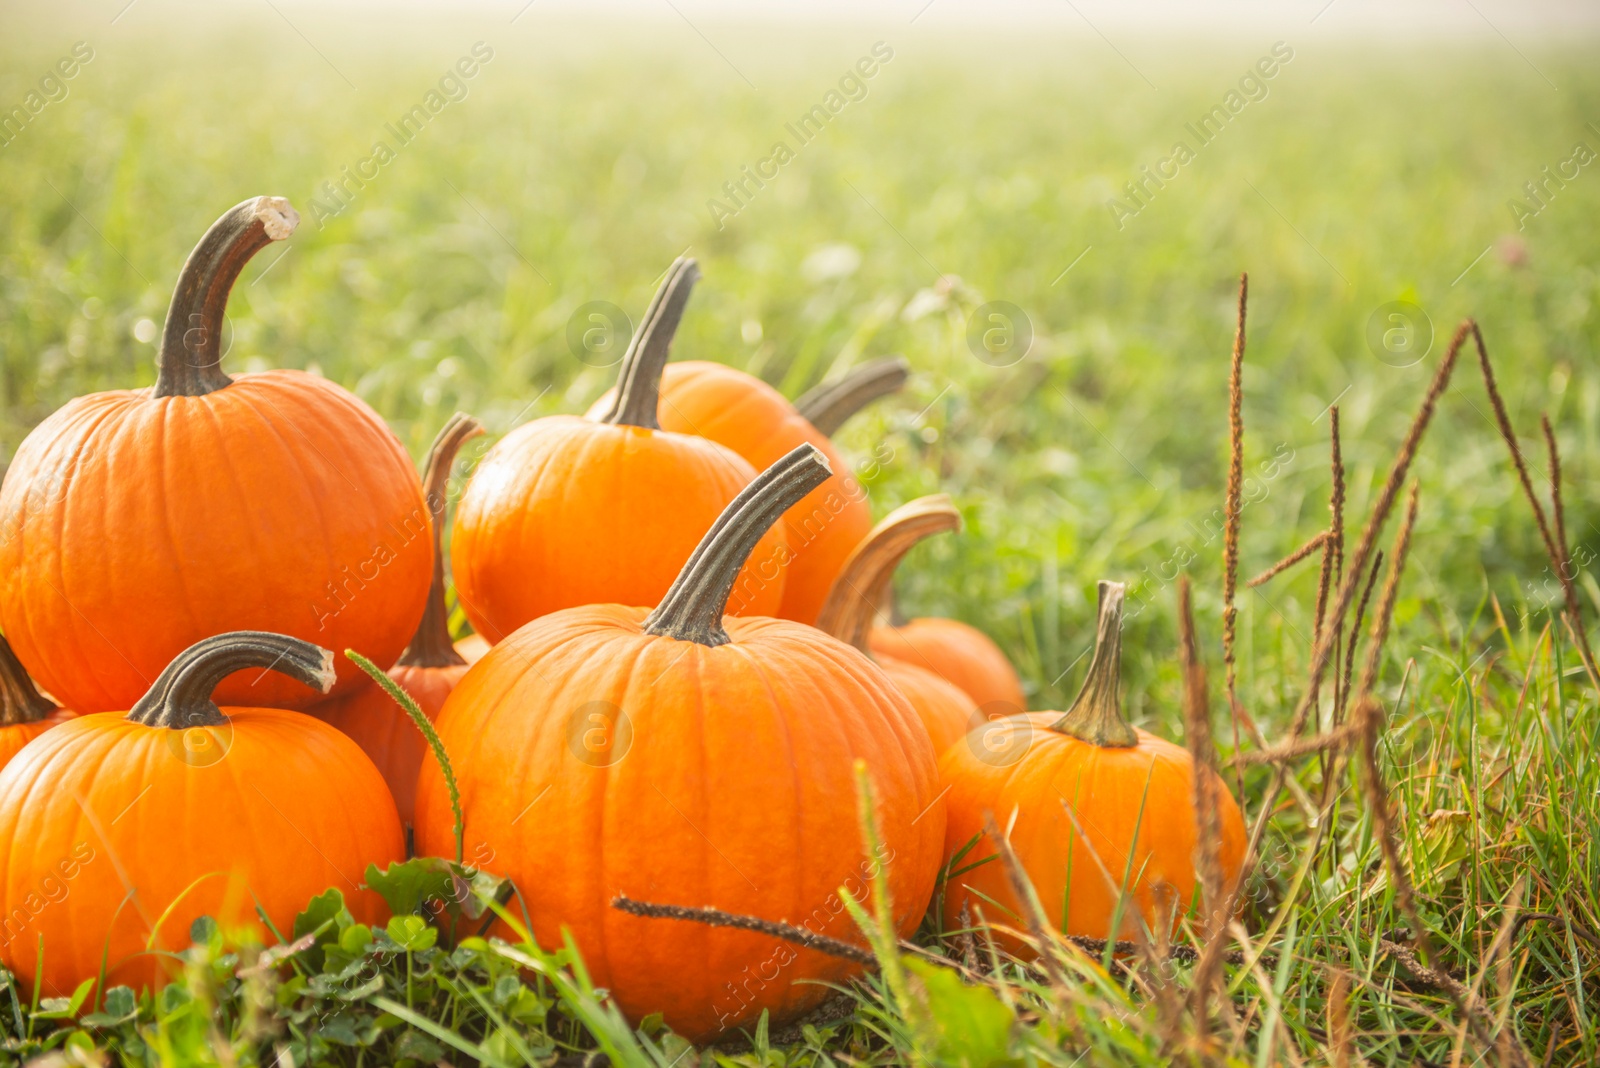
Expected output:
{"points": [[581, 160], [578, 165]]}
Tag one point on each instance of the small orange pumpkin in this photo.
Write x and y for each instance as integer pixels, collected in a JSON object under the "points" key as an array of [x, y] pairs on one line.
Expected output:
{"points": [[134, 523], [121, 831], [757, 422], [1080, 792], [25, 713], [957, 652], [685, 758], [946, 711], [429, 668], [568, 511]]}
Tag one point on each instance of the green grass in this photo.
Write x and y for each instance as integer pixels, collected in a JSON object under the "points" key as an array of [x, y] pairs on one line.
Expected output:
{"points": [[580, 164]]}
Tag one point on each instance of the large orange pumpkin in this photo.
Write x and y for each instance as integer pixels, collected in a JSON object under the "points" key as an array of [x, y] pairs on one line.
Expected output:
{"points": [[568, 511], [25, 713], [121, 831], [960, 654], [429, 668], [684, 758], [136, 522], [757, 422], [1090, 801], [946, 711]]}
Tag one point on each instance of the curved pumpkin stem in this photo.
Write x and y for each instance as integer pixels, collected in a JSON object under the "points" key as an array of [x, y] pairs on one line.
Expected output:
{"points": [[639, 381], [431, 646], [692, 609], [20, 699], [858, 593], [190, 361], [1096, 716], [181, 697], [829, 405]]}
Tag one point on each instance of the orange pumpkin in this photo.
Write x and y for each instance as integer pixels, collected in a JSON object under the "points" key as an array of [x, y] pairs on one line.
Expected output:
{"points": [[959, 653], [429, 668], [946, 711], [136, 522], [757, 422], [121, 831], [681, 757], [25, 713], [1089, 801], [568, 511]]}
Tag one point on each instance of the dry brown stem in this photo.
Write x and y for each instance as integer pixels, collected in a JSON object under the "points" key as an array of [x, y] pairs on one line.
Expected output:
{"points": [[1203, 754], [1317, 541], [1233, 505]]}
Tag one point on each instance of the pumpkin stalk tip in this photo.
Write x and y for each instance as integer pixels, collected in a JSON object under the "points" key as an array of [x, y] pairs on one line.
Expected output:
{"points": [[189, 363], [639, 380], [1096, 716], [278, 217], [431, 646], [325, 674], [181, 696], [693, 607], [866, 580]]}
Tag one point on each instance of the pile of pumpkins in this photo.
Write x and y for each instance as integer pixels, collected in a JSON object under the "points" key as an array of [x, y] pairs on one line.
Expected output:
{"points": [[680, 656]]}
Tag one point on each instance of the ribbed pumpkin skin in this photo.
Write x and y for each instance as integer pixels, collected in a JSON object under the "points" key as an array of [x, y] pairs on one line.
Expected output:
{"points": [[959, 653], [292, 809], [132, 527], [14, 737], [946, 712], [567, 511], [371, 719], [757, 422], [736, 790], [1107, 790]]}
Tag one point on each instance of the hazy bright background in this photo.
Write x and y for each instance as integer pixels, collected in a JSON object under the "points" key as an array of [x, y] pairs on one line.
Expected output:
{"points": [[1378, 167]]}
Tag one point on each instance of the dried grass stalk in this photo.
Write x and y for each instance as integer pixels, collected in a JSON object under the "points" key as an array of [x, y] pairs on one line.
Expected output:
{"points": [[1337, 738], [1203, 753], [1557, 551], [1333, 558], [1339, 1044], [1355, 626], [1391, 589], [1323, 649], [1369, 717], [1032, 914], [1317, 541], [1233, 506], [966, 945], [717, 918]]}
